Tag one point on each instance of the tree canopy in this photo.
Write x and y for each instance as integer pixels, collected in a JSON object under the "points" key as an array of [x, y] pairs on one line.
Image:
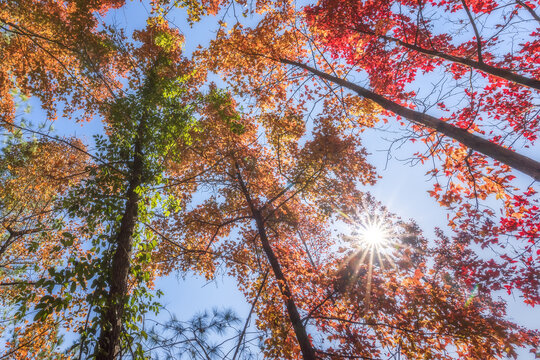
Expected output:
{"points": [[244, 151]]}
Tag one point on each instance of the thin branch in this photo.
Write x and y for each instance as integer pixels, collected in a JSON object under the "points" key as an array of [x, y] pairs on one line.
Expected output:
{"points": [[246, 324], [477, 34]]}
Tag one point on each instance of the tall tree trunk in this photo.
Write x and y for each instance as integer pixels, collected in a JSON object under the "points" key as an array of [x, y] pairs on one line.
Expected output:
{"points": [[299, 329], [495, 151], [111, 323], [308, 353], [478, 65]]}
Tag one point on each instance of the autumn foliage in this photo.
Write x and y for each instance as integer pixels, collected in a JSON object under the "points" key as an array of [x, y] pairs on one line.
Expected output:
{"points": [[247, 158]]}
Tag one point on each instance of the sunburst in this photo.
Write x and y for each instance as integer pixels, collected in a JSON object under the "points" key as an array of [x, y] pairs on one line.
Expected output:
{"points": [[374, 235]]}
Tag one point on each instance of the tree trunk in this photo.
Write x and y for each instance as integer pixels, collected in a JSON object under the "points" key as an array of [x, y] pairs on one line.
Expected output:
{"points": [[308, 353], [299, 329], [497, 152], [111, 323]]}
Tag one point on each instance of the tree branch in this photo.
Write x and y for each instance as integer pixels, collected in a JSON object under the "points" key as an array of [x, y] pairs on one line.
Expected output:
{"points": [[495, 151]]}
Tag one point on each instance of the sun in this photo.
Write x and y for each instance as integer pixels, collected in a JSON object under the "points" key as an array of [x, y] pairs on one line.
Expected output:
{"points": [[373, 234]]}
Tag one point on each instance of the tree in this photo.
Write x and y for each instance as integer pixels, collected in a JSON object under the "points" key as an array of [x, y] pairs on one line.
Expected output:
{"points": [[275, 213], [197, 338], [256, 43], [415, 48], [244, 182], [55, 52], [291, 55], [501, 98], [34, 174], [142, 127]]}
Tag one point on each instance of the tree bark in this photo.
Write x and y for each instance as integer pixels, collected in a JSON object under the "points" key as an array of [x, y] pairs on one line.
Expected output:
{"points": [[308, 353], [497, 152], [108, 347]]}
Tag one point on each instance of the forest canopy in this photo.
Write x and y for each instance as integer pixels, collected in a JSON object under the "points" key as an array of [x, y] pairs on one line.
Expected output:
{"points": [[146, 141]]}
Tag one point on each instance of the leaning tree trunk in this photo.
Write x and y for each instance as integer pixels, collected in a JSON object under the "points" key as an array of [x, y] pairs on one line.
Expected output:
{"points": [[111, 323], [495, 151], [308, 353]]}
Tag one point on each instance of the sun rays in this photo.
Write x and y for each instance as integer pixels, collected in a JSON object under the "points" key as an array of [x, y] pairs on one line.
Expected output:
{"points": [[373, 234], [375, 237]]}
